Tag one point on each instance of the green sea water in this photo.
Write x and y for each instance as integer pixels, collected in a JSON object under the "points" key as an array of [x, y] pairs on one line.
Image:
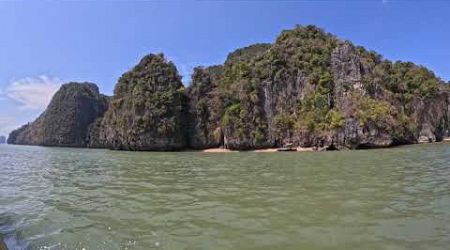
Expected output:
{"points": [[60, 198]]}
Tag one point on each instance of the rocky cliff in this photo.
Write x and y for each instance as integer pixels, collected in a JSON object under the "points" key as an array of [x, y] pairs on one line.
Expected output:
{"points": [[66, 120], [309, 89], [312, 89], [147, 111], [206, 105]]}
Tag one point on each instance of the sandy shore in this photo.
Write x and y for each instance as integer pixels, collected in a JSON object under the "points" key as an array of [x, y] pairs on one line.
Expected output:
{"points": [[298, 149], [266, 150], [217, 150], [310, 149]]}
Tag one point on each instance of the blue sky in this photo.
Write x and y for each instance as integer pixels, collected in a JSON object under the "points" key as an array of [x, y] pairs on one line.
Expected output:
{"points": [[45, 43]]}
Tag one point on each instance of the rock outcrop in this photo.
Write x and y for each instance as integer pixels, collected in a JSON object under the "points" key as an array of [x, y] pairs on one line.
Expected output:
{"points": [[205, 108], [312, 89], [147, 111], [307, 89], [67, 118]]}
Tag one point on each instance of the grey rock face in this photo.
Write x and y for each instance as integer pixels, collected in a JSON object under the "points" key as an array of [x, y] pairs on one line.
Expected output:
{"points": [[349, 70], [433, 117]]}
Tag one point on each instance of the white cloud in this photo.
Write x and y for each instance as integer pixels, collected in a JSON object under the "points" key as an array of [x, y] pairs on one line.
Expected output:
{"points": [[33, 92], [7, 124]]}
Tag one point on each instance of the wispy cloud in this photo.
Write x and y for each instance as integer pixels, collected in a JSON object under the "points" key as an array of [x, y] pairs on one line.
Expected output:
{"points": [[7, 123], [32, 92]]}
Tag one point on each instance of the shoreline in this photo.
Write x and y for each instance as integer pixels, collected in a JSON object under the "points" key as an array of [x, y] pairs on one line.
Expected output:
{"points": [[224, 150], [264, 150], [300, 149], [217, 150]]}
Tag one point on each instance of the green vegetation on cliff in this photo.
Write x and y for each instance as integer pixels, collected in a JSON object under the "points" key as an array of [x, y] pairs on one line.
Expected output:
{"points": [[312, 89], [147, 109], [308, 88], [67, 118]]}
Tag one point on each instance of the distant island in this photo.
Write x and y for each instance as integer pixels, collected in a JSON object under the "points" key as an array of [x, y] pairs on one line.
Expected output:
{"points": [[308, 89], [2, 139]]}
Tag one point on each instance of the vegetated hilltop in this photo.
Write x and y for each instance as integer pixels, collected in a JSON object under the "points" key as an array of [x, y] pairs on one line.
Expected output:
{"points": [[66, 120], [311, 89], [308, 88], [146, 111]]}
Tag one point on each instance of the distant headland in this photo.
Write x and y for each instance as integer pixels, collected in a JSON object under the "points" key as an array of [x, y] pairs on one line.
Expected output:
{"points": [[308, 89]]}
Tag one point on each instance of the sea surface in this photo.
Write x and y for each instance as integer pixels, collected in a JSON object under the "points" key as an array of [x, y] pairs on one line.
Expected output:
{"points": [[60, 198]]}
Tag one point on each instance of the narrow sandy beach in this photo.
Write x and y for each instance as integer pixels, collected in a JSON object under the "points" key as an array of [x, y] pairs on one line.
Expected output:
{"points": [[310, 149], [217, 150], [266, 150]]}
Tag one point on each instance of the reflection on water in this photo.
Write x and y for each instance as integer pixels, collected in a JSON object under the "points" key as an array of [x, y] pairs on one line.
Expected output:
{"points": [[96, 199]]}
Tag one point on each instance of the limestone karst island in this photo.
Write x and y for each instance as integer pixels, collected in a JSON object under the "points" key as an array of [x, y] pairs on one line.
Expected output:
{"points": [[307, 89], [225, 125]]}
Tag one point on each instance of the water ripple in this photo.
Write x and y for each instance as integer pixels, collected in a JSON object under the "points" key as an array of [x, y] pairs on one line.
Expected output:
{"points": [[56, 198]]}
